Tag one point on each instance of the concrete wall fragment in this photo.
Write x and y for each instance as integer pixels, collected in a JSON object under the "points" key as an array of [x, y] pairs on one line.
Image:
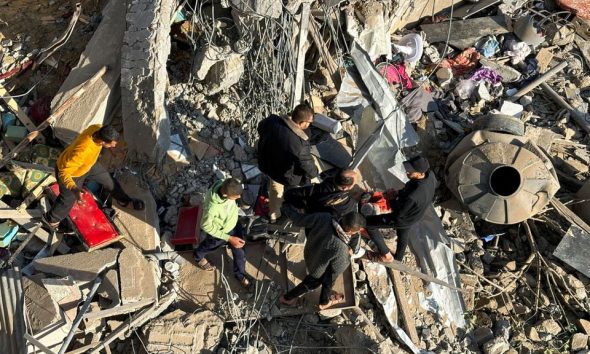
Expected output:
{"points": [[97, 103], [146, 46]]}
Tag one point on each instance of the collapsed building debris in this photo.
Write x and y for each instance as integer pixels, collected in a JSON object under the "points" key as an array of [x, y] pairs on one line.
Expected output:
{"points": [[494, 93]]}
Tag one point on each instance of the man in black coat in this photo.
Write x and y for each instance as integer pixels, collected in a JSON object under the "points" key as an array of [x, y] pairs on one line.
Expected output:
{"points": [[284, 154], [407, 209], [326, 253], [332, 196]]}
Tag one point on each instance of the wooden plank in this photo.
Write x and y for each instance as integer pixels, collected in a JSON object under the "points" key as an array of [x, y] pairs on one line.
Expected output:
{"points": [[13, 106], [404, 307], [30, 225], [570, 215], [10, 213], [465, 33], [119, 310], [399, 266], [303, 30]]}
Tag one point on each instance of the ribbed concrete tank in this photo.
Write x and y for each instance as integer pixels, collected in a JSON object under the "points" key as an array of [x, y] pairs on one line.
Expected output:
{"points": [[502, 178]]}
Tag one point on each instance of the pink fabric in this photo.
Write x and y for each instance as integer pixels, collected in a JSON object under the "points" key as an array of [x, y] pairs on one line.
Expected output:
{"points": [[396, 74]]}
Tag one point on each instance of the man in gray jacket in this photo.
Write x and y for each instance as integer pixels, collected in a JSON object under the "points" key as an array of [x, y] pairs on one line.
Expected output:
{"points": [[326, 253]]}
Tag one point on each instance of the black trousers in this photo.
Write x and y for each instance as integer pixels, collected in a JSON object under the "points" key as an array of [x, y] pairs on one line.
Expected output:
{"points": [[66, 199], [310, 283], [402, 241], [210, 244]]}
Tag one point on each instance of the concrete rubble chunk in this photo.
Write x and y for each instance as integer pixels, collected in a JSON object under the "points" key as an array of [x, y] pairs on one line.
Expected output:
{"points": [[66, 293], [584, 325], [225, 74], [97, 103], [42, 310], [483, 335], [579, 341], [264, 8], [146, 45], [109, 288], [549, 326], [136, 275], [181, 332], [208, 56], [496, 346], [82, 266]]}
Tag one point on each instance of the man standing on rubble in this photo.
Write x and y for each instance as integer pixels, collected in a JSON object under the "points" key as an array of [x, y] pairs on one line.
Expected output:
{"points": [[77, 163], [284, 154], [408, 208], [332, 196], [220, 223], [327, 253]]}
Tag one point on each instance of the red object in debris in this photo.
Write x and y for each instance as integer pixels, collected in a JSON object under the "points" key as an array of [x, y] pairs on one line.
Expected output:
{"points": [[40, 109], [93, 226], [188, 226], [261, 206], [381, 201], [580, 8]]}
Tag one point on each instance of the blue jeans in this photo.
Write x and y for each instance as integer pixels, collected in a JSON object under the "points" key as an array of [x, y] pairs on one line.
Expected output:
{"points": [[210, 244]]}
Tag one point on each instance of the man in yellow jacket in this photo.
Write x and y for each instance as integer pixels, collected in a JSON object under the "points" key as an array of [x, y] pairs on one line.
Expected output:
{"points": [[77, 163]]}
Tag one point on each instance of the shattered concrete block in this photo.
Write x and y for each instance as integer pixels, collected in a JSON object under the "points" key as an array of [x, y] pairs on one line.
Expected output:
{"points": [[136, 276], [109, 288], [579, 342], [42, 310], [208, 56], [66, 293], [496, 346], [225, 74], [97, 103], [260, 8], [83, 266], [146, 45], [179, 332]]}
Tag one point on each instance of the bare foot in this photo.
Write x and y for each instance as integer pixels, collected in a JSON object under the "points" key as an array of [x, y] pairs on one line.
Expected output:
{"points": [[335, 299], [296, 302]]}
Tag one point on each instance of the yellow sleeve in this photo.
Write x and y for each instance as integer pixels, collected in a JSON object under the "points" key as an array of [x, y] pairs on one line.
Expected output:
{"points": [[67, 169]]}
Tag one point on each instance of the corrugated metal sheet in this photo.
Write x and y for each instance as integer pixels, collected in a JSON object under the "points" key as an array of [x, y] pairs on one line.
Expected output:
{"points": [[12, 322]]}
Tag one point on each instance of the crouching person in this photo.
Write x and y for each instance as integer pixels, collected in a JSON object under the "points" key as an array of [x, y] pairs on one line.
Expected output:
{"points": [[326, 253], [220, 224]]}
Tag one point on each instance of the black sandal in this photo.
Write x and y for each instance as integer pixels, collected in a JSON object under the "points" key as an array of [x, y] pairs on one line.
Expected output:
{"points": [[137, 204]]}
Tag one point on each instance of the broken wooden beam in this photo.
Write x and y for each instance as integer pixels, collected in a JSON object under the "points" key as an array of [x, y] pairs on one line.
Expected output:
{"points": [[404, 306], [59, 111], [22, 116], [399, 266], [570, 215], [10, 213]]}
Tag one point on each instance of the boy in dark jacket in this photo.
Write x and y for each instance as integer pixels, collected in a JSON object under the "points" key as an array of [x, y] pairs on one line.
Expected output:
{"points": [[284, 154], [326, 253], [407, 209]]}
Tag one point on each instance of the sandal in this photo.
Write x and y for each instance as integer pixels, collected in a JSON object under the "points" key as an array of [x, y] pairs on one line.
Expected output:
{"points": [[137, 204], [378, 258], [295, 303], [335, 299], [205, 265]]}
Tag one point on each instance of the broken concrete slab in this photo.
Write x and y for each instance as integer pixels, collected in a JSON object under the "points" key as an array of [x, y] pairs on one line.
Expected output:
{"points": [[466, 32], [80, 266], [137, 276], [181, 332], [109, 288], [224, 74], [208, 56], [572, 249], [146, 45], [42, 310], [97, 103], [66, 293]]}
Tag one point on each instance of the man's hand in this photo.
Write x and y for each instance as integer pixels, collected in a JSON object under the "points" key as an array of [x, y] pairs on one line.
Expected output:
{"points": [[78, 193], [236, 242]]}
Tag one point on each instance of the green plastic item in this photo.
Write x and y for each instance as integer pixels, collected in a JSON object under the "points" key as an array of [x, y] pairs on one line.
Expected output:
{"points": [[15, 133]]}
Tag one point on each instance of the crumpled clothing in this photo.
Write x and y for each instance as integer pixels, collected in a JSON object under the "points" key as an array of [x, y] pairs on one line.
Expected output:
{"points": [[464, 89], [417, 102], [396, 74], [463, 63], [487, 75], [517, 51], [488, 46]]}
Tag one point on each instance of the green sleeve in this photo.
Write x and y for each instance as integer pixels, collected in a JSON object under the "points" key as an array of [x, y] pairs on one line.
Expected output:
{"points": [[208, 225]]}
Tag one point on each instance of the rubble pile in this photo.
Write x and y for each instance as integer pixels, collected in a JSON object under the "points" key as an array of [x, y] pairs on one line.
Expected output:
{"points": [[495, 94]]}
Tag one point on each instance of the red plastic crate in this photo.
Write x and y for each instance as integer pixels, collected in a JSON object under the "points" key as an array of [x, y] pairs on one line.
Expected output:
{"points": [[93, 226], [188, 226]]}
